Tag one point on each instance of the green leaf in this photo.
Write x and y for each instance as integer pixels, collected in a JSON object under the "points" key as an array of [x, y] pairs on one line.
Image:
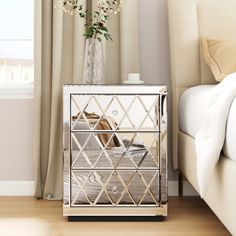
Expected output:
{"points": [[104, 29], [81, 15], [108, 36]]}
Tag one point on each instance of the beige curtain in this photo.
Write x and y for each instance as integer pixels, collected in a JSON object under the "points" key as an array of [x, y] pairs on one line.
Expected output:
{"points": [[59, 51], [129, 39], [122, 54]]}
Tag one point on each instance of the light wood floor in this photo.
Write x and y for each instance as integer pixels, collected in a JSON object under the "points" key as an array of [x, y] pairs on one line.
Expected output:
{"points": [[29, 217]]}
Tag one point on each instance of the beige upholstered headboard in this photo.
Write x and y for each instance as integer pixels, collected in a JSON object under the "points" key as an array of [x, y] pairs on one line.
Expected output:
{"points": [[188, 21]]}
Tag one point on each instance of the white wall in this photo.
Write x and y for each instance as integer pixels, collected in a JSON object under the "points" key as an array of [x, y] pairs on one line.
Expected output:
{"points": [[16, 139]]}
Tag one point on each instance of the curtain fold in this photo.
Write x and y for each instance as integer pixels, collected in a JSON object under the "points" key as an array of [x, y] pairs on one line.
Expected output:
{"points": [[129, 39], [59, 58], [122, 54]]}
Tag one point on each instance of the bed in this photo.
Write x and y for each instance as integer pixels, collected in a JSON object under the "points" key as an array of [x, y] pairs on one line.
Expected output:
{"points": [[188, 21]]}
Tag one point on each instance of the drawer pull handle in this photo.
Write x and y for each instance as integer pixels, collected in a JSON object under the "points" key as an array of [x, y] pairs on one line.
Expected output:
{"points": [[115, 190], [115, 112]]}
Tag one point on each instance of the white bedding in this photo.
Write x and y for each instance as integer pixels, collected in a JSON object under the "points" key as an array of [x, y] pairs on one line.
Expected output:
{"points": [[193, 107], [230, 138], [192, 110], [210, 137]]}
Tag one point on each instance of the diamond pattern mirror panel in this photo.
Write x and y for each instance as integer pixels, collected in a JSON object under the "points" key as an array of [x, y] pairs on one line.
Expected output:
{"points": [[118, 112]]}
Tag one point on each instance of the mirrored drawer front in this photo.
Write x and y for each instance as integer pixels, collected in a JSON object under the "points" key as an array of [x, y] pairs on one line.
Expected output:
{"points": [[117, 187], [116, 150], [115, 112]]}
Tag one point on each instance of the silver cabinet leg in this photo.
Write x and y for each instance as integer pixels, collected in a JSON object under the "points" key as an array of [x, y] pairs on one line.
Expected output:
{"points": [[180, 180]]}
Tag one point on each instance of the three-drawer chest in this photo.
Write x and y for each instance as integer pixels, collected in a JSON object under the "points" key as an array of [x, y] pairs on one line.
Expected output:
{"points": [[115, 150]]}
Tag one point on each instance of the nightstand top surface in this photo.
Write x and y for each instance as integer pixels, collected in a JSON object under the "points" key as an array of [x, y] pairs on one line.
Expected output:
{"points": [[114, 89]]}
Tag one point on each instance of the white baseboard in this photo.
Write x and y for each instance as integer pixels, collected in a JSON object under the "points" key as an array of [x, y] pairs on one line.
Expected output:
{"points": [[16, 188], [26, 188]]}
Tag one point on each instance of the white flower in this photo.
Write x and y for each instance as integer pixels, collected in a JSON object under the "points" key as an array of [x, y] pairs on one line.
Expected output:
{"points": [[101, 4]]}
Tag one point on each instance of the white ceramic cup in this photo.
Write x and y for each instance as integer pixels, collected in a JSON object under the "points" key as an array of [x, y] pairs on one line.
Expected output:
{"points": [[133, 77]]}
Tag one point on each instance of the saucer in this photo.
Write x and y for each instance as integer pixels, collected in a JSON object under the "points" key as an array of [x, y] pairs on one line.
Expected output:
{"points": [[133, 82]]}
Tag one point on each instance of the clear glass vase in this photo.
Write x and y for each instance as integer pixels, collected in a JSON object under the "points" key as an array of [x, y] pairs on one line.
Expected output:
{"points": [[93, 62]]}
